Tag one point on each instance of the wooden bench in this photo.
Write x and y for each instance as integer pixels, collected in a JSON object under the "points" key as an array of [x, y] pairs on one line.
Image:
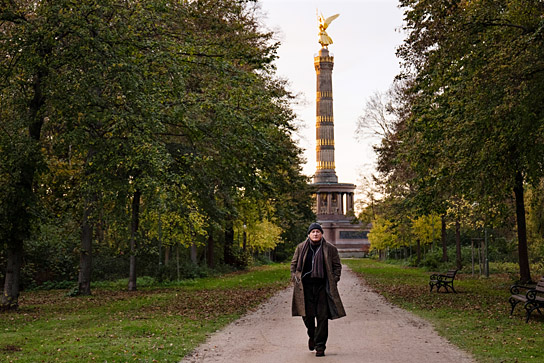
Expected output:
{"points": [[443, 280], [531, 296]]}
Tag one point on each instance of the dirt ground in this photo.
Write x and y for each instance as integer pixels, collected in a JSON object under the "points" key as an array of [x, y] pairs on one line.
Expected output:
{"points": [[373, 331]]}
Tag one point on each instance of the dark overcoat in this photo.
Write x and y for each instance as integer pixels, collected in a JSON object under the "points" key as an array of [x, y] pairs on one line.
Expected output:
{"points": [[333, 268]]}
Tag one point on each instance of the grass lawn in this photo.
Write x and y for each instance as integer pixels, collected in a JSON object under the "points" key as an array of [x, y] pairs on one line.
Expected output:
{"points": [[154, 324], [476, 319]]}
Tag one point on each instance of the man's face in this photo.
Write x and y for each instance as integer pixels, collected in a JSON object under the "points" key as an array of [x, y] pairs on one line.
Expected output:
{"points": [[315, 235]]}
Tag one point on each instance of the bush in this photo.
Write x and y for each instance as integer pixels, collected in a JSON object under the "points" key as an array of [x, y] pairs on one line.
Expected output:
{"points": [[241, 259], [187, 270], [122, 284], [55, 285], [261, 259], [431, 260], [48, 258], [284, 251]]}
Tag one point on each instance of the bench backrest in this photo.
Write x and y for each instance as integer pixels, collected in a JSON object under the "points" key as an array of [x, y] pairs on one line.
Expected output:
{"points": [[451, 273], [540, 285]]}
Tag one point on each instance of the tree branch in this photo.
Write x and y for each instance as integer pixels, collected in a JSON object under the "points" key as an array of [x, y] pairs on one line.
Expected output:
{"points": [[8, 14], [499, 24]]}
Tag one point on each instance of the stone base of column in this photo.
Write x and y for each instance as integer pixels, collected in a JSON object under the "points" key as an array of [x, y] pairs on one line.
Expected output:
{"points": [[350, 239], [339, 225], [325, 176]]}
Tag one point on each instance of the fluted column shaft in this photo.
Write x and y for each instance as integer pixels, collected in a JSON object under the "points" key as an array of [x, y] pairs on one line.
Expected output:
{"points": [[324, 119]]}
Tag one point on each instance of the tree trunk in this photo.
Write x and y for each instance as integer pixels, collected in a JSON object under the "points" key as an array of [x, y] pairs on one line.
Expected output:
{"points": [[418, 251], [194, 257], [458, 259], [209, 250], [228, 255], [167, 250], [133, 231], [244, 237], [161, 270], [177, 262], [524, 270], [100, 233], [24, 198], [19, 219], [10, 297], [444, 246], [85, 254]]}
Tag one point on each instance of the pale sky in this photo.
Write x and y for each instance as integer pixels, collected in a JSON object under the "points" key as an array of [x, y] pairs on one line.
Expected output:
{"points": [[365, 37]]}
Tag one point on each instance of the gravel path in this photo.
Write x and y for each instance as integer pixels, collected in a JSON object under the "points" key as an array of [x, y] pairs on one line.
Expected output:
{"points": [[373, 331]]}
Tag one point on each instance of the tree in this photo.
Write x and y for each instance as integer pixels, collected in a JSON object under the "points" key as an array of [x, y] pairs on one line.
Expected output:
{"points": [[425, 228], [382, 235], [535, 219], [237, 137], [425, 231], [26, 48], [112, 109], [477, 80]]}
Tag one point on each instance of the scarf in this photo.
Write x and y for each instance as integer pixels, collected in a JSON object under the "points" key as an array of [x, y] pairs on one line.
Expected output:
{"points": [[318, 270]]}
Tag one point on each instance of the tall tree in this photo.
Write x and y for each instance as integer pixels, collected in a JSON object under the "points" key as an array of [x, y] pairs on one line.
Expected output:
{"points": [[139, 101], [26, 47], [478, 86]]}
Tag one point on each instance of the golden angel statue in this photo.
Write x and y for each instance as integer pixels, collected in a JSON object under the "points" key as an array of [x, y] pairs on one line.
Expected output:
{"points": [[324, 38]]}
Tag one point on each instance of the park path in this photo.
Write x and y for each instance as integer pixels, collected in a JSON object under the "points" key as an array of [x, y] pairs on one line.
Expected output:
{"points": [[373, 331]]}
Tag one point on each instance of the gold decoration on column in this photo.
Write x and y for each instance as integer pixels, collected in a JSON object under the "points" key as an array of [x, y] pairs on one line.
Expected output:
{"points": [[324, 38]]}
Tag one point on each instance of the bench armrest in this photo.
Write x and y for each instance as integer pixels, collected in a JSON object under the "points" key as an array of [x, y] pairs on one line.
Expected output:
{"points": [[516, 289], [532, 294], [441, 277]]}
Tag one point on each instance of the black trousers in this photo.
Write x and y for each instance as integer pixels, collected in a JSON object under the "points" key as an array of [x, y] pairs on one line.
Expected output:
{"points": [[315, 301]]}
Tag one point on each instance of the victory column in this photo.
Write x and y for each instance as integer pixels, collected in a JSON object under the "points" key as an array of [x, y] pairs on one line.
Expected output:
{"points": [[334, 201]]}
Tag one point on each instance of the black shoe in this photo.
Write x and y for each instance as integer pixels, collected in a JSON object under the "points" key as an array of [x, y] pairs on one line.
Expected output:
{"points": [[320, 353], [311, 344]]}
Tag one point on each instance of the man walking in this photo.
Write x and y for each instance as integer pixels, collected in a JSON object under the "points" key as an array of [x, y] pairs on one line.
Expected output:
{"points": [[315, 270]]}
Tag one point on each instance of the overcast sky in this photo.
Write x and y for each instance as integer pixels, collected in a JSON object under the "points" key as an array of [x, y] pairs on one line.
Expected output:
{"points": [[365, 37]]}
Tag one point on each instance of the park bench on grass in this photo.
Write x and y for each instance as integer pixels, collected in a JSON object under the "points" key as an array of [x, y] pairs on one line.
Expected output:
{"points": [[443, 280], [533, 298]]}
